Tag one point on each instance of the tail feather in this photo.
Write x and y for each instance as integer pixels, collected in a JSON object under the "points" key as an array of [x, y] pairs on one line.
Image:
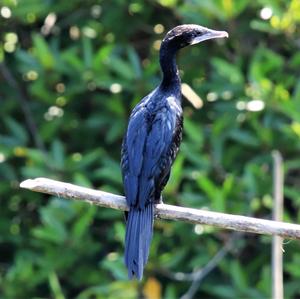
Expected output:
{"points": [[139, 229]]}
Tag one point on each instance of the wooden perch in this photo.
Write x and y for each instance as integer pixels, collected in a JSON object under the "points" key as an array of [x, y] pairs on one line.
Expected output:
{"points": [[109, 200]]}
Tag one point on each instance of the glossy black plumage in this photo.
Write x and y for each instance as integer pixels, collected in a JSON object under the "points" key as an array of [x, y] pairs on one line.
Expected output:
{"points": [[151, 144]]}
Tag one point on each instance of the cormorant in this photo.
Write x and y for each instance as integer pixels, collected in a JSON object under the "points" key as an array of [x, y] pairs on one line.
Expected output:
{"points": [[151, 144]]}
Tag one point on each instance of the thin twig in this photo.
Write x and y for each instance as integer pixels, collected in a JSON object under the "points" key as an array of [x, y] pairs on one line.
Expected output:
{"points": [[12, 82], [222, 220], [277, 274], [199, 275], [200, 272]]}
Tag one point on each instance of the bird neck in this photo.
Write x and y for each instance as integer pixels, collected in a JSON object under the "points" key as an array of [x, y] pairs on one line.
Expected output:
{"points": [[168, 66]]}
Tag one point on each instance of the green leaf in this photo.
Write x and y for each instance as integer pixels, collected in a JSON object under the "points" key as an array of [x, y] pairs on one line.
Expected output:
{"points": [[213, 192], [42, 51], [121, 68], [135, 62], [55, 286], [84, 222], [228, 70], [17, 130], [58, 153], [238, 275], [87, 52], [244, 137]]}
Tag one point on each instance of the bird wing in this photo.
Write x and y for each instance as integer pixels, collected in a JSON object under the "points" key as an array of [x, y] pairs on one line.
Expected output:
{"points": [[156, 155], [133, 153], [147, 153]]}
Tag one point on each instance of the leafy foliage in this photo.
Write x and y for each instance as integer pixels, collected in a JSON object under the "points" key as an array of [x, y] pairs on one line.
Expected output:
{"points": [[71, 71]]}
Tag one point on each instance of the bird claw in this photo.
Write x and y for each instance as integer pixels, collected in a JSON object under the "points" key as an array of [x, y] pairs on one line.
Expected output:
{"points": [[159, 201]]}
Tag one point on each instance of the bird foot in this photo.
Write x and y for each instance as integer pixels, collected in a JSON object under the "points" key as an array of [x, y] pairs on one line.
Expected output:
{"points": [[160, 200]]}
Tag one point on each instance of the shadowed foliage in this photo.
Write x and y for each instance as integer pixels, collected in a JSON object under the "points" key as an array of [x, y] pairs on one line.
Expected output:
{"points": [[70, 73]]}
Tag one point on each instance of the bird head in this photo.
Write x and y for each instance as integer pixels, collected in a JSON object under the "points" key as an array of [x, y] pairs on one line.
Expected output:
{"points": [[185, 35]]}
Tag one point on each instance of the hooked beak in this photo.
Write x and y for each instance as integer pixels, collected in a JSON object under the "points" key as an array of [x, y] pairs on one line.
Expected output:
{"points": [[210, 34]]}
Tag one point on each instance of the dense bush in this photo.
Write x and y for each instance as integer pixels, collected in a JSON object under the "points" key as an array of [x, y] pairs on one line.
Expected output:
{"points": [[71, 71]]}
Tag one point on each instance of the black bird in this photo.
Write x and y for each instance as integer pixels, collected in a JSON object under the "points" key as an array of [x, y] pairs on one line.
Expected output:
{"points": [[151, 144]]}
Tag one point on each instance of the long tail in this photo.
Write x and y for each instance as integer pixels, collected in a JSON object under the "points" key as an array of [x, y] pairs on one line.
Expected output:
{"points": [[139, 229]]}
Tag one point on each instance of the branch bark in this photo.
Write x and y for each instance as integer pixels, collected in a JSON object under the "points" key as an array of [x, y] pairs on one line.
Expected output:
{"points": [[164, 211]]}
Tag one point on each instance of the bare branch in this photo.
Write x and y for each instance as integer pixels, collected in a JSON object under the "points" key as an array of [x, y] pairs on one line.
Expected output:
{"points": [[277, 267], [227, 221]]}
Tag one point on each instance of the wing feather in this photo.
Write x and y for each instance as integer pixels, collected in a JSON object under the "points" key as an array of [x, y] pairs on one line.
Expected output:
{"points": [[158, 142], [148, 151], [132, 154]]}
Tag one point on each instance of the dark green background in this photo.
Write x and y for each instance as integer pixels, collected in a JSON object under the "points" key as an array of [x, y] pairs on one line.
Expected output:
{"points": [[66, 93]]}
